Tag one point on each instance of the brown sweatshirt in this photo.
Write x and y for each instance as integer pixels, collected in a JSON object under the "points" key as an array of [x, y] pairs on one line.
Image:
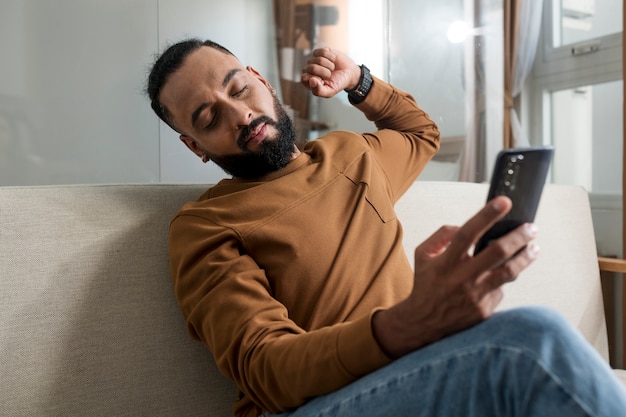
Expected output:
{"points": [[280, 277]]}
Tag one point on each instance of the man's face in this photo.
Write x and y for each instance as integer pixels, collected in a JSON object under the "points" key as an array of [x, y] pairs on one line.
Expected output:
{"points": [[228, 113]]}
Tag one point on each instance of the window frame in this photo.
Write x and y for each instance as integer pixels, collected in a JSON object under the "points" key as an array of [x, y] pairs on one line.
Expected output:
{"points": [[557, 68]]}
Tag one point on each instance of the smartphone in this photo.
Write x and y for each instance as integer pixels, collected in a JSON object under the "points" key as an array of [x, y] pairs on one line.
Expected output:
{"points": [[520, 174]]}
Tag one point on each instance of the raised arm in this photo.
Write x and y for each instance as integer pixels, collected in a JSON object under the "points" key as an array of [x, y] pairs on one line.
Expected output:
{"points": [[406, 138]]}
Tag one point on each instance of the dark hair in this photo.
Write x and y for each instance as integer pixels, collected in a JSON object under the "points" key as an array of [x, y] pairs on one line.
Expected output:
{"points": [[169, 61]]}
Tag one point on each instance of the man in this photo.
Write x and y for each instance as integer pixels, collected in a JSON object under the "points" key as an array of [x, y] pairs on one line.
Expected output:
{"points": [[294, 276]]}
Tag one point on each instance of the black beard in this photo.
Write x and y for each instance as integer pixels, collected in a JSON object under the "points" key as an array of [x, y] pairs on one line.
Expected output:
{"points": [[273, 155]]}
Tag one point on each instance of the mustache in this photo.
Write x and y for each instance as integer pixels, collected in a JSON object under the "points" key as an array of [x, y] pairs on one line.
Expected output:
{"points": [[247, 131]]}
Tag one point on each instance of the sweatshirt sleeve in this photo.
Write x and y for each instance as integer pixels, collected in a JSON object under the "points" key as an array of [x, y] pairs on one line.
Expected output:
{"points": [[407, 138], [227, 302]]}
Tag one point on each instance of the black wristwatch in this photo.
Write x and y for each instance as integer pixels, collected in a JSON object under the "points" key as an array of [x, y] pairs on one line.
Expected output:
{"points": [[363, 88]]}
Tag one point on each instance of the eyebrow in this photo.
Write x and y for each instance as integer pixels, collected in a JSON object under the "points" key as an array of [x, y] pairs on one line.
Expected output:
{"points": [[227, 78]]}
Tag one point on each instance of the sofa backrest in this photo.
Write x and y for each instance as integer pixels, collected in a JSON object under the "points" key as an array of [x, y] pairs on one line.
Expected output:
{"points": [[566, 275], [88, 320]]}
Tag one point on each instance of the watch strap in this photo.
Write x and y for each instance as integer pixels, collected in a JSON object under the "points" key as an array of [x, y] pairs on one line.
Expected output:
{"points": [[357, 95]]}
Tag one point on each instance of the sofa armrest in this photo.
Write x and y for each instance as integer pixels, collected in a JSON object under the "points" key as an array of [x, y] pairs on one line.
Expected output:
{"points": [[612, 264]]}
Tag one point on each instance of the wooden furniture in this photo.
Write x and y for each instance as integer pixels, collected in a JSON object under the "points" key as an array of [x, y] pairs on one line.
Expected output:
{"points": [[609, 267]]}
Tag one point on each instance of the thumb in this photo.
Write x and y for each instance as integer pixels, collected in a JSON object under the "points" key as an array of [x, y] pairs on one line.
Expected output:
{"points": [[315, 84], [437, 243]]}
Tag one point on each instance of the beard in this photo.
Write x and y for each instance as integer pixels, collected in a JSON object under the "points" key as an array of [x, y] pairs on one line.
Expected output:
{"points": [[273, 155]]}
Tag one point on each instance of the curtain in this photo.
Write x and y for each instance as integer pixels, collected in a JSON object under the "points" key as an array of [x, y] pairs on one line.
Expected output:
{"points": [[522, 24], [300, 27], [293, 44], [474, 81]]}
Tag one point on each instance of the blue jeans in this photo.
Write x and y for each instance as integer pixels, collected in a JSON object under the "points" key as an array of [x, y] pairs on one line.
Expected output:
{"points": [[524, 362]]}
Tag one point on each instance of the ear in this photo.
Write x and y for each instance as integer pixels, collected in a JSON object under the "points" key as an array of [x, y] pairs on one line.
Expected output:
{"points": [[192, 145], [258, 76]]}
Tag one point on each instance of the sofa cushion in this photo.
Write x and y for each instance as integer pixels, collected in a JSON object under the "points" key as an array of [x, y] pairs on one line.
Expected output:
{"points": [[89, 322]]}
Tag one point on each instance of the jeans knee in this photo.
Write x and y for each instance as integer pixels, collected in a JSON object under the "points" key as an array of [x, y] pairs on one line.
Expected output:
{"points": [[535, 328], [535, 317]]}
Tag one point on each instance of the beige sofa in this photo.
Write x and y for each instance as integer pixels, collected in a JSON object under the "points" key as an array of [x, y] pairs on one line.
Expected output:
{"points": [[88, 321]]}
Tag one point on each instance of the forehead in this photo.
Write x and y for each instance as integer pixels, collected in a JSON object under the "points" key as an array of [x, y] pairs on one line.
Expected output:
{"points": [[202, 71]]}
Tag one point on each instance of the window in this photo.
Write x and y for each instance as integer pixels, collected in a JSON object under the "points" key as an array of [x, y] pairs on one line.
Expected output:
{"points": [[577, 92], [576, 104]]}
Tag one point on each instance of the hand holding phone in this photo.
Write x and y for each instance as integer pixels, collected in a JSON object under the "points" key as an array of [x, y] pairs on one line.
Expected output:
{"points": [[519, 174]]}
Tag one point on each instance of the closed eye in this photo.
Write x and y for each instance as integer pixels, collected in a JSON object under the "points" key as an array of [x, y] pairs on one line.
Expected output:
{"points": [[240, 92], [215, 117], [212, 122]]}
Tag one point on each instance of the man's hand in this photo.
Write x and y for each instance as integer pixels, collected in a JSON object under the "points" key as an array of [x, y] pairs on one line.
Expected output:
{"points": [[453, 290], [329, 72]]}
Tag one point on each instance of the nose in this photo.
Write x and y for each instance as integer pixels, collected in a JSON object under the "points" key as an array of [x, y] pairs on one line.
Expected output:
{"points": [[240, 114]]}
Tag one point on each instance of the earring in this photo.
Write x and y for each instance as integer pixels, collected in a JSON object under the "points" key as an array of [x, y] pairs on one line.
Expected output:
{"points": [[205, 158]]}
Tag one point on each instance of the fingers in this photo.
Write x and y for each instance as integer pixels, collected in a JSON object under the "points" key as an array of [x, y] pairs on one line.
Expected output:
{"points": [[436, 244], [328, 72], [499, 263], [475, 227], [509, 246], [321, 63], [516, 260], [511, 267], [488, 304], [320, 66], [313, 75]]}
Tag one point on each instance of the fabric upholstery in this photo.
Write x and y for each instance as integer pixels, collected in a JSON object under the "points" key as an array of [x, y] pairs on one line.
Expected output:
{"points": [[88, 320], [89, 324]]}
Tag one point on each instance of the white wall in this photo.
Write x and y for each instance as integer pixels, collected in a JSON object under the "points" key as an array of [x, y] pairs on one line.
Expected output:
{"points": [[72, 107], [73, 92]]}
